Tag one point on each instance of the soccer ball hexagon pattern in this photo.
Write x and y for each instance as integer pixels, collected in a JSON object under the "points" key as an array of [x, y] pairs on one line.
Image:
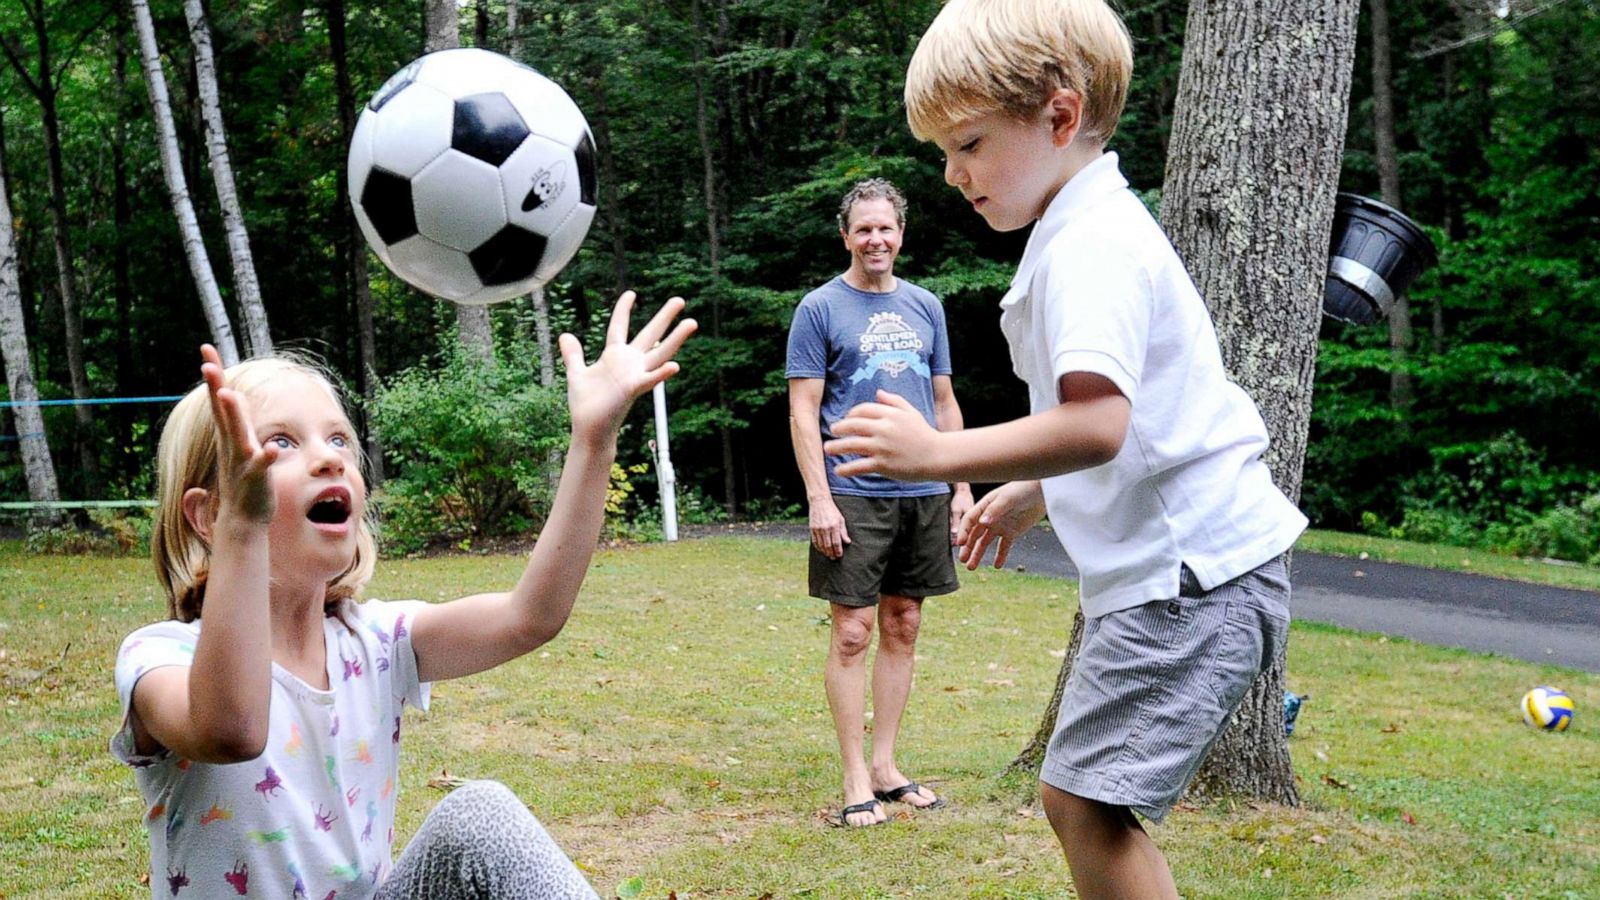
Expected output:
{"points": [[472, 176]]}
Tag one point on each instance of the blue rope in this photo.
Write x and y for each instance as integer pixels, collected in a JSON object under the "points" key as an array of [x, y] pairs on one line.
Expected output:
{"points": [[90, 402]]}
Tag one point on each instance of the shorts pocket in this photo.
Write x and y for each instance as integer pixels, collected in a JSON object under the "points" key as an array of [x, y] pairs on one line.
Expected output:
{"points": [[1240, 654]]}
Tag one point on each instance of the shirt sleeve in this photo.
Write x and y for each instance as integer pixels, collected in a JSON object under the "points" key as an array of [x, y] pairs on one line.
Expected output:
{"points": [[169, 643], [394, 620], [939, 359], [808, 354], [1096, 315]]}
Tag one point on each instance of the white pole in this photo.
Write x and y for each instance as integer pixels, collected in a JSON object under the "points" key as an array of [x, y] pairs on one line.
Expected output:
{"points": [[664, 474]]}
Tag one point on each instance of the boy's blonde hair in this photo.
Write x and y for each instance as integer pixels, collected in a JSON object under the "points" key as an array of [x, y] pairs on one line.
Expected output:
{"points": [[985, 56], [187, 458]]}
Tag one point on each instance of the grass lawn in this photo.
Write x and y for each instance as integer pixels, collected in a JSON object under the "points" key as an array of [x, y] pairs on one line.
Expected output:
{"points": [[675, 737]]}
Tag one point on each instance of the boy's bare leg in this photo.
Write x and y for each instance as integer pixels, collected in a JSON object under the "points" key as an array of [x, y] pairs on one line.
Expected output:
{"points": [[1108, 851], [899, 619], [845, 679]]}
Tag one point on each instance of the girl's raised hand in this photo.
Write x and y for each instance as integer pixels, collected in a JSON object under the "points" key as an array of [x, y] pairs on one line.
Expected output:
{"points": [[244, 482], [599, 395]]}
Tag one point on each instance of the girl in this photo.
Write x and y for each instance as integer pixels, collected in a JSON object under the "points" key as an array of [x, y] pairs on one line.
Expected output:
{"points": [[266, 743]]}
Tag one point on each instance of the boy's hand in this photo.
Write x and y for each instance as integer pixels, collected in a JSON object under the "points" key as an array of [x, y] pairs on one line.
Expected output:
{"points": [[244, 477], [1004, 513], [891, 438], [599, 395]]}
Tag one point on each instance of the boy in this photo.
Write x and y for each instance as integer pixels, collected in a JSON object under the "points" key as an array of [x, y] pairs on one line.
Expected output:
{"points": [[1145, 457]]}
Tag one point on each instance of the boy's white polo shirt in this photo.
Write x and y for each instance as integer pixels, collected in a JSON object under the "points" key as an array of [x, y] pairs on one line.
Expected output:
{"points": [[1100, 289]]}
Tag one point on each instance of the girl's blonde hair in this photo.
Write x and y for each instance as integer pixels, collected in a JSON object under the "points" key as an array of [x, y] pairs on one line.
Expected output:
{"points": [[985, 56], [187, 458]]}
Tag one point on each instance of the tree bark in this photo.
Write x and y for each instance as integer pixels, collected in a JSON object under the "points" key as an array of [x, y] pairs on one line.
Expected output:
{"points": [[121, 269], [1401, 390], [194, 247], [37, 466], [1251, 176], [354, 249], [257, 335], [443, 19], [714, 241]]}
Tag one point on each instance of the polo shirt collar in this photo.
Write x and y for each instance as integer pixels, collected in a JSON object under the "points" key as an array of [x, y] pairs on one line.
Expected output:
{"points": [[1093, 181]]}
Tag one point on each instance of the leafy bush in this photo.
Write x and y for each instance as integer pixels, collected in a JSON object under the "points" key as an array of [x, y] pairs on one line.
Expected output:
{"points": [[472, 446], [1499, 495], [107, 532]]}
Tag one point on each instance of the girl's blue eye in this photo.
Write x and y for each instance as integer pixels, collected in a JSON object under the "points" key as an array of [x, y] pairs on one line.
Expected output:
{"points": [[339, 440], [283, 442]]}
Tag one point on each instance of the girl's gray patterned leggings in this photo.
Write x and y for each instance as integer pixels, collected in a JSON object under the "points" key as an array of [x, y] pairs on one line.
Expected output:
{"points": [[480, 842]]}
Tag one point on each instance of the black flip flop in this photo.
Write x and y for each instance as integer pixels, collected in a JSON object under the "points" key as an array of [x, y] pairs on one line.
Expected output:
{"points": [[893, 796], [848, 811]]}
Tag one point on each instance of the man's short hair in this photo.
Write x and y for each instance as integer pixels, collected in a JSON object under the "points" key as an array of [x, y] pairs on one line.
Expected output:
{"points": [[872, 189], [985, 56]]}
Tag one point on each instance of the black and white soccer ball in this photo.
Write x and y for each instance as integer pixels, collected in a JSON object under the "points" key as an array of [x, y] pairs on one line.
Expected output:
{"points": [[472, 176]]}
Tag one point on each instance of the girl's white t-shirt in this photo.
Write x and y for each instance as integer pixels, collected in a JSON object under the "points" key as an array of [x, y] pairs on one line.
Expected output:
{"points": [[314, 814]]}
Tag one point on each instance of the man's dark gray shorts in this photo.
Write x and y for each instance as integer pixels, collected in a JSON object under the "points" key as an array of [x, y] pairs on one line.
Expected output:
{"points": [[1153, 686], [898, 545]]}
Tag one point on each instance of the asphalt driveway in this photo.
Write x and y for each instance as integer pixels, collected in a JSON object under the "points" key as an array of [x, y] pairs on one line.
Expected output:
{"points": [[1452, 609]]}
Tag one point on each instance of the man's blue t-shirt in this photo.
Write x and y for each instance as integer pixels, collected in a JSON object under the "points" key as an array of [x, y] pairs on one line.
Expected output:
{"points": [[858, 342]]}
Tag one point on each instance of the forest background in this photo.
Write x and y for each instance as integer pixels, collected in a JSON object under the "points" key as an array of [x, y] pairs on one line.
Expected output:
{"points": [[726, 131]]}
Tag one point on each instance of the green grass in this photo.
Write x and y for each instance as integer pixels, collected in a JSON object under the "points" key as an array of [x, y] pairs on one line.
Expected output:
{"points": [[1557, 573], [676, 733]]}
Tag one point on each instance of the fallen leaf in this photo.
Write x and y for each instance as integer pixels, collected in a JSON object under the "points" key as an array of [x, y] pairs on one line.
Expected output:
{"points": [[1000, 682], [444, 781], [1390, 728], [1408, 818], [1318, 839], [1334, 782]]}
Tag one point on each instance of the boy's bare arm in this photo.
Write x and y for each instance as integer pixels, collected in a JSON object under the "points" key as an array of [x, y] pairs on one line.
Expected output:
{"points": [[484, 630], [829, 533], [1085, 430]]}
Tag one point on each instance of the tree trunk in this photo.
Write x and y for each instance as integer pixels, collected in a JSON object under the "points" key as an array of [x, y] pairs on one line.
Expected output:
{"points": [[443, 19], [714, 241], [1251, 176], [257, 336], [36, 463], [121, 270], [45, 86], [194, 246], [1401, 390], [354, 249]]}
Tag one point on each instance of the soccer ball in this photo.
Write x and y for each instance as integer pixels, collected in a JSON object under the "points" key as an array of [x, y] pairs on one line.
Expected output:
{"points": [[472, 176], [1547, 708]]}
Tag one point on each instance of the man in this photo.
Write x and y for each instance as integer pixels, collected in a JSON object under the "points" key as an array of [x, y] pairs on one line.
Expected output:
{"points": [[878, 546]]}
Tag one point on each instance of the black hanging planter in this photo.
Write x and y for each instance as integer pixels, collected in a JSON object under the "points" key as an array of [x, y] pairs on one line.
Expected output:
{"points": [[1375, 254]]}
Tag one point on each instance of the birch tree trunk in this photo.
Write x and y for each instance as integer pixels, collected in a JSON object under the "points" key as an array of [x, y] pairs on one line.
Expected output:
{"points": [[194, 247], [354, 247], [1252, 170], [1387, 154], [37, 466], [443, 20], [257, 336]]}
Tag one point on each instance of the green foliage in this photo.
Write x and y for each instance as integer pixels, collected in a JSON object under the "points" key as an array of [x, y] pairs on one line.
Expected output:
{"points": [[472, 446], [106, 532]]}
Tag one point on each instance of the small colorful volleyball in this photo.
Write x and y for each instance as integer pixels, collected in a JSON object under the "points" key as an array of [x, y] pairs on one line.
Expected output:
{"points": [[1547, 708]]}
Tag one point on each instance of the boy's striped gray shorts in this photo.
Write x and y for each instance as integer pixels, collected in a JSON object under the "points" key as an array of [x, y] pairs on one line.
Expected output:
{"points": [[1153, 686]]}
